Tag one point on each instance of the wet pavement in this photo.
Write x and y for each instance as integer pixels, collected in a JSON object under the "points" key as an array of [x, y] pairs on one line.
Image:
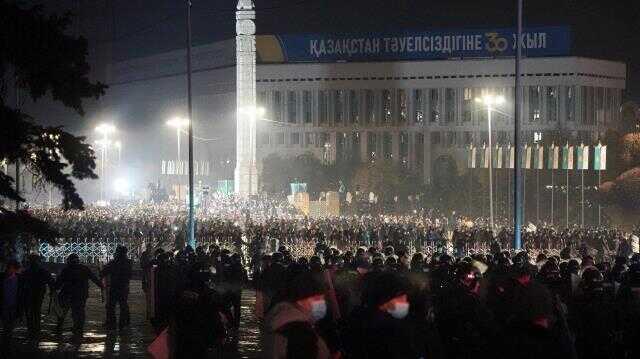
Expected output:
{"points": [[130, 343]]}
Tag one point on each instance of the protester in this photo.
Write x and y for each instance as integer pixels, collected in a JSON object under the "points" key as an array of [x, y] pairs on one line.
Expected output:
{"points": [[289, 330], [35, 280], [10, 304], [73, 284], [117, 274]]}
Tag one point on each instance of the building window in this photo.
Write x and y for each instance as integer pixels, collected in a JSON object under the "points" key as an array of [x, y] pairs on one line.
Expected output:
{"points": [[319, 139], [387, 111], [570, 103], [503, 137], [341, 140], [280, 138], [480, 109], [295, 138], [370, 106], [355, 146], [372, 143], [261, 99], [322, 107], [404, 148], [434, 105], [435, 138], [450, 105], [306, 106], [451, 139], [599, 104], [534, 103], [419, 153], [292, 107], [402, 105], [552, 104], [264, 139], [467, 104], [418, 106], [277, 106], [354, 106], [338, 106], [325, 138], [387, 145], [468, 137], [308, 139], [588, 105], [610, 107]]}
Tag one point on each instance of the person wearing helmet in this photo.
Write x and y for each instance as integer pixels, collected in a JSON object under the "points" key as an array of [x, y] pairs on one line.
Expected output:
{"points": [[73, 283]]}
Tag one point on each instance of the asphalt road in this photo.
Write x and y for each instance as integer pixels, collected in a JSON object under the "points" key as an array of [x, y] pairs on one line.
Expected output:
{"points": [[131, 343]]}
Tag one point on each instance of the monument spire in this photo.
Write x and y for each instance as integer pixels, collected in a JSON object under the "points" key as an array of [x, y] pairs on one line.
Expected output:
{"points": [[246, 173]]}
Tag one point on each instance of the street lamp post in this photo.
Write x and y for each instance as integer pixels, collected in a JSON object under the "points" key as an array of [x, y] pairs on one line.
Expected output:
{"points": [[489, 101]]}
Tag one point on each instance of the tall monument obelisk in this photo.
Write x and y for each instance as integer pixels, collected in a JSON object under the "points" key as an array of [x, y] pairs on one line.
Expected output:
{"points": [[246, 173]]}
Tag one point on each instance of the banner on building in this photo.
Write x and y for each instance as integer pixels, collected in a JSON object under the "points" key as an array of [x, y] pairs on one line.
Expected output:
{"points": [[406, 45], [554, 154], [471, 157], [582, 157], [498, 156], [538, 158], [600, 157], [526, 157], [567, 157], [512, 157]]}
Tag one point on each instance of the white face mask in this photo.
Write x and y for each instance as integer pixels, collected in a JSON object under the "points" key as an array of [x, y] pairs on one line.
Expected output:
{"points": [[400, 310], [318, 309]]}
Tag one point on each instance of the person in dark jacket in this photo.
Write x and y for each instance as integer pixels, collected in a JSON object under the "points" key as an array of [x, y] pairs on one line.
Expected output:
{"points": [[385, 331], [35, 280], [290, 325], [10, 306], [117, 275], [467, 327], [73, 283]]}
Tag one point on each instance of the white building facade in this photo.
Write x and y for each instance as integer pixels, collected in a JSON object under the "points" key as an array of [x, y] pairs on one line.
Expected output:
{"points": [[413, 112], [361, 97]]}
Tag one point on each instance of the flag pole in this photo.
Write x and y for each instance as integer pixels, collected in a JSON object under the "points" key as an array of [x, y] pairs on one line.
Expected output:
{"points": [[537, 195], [567, 196], [599, 207], [582, 197], [552, 191]]}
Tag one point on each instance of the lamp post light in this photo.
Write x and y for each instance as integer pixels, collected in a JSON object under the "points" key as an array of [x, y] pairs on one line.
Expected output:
{"points": [[178, 123], [489, 101], [105, 129]]}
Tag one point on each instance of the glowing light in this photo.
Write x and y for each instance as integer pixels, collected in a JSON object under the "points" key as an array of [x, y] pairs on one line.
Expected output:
{"points": [[490, 100], [121, 185], [178, 122], [105, 128]]}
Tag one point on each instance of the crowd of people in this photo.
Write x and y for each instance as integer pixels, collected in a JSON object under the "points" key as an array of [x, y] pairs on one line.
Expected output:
{"points": [[417, 285]]}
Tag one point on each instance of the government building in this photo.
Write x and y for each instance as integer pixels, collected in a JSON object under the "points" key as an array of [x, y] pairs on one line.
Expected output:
{"points": [[406, 97]]}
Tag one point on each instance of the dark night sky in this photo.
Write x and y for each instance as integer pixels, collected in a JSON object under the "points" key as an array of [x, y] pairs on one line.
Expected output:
{"points": [[601, 29]]}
